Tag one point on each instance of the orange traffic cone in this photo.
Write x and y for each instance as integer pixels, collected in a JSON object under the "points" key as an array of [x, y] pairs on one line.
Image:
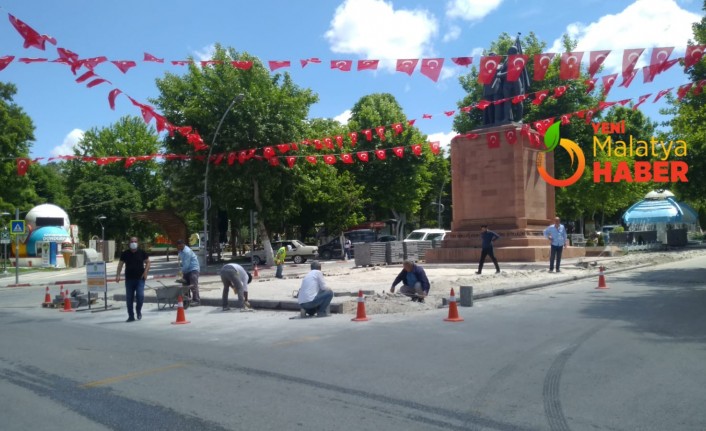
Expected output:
{"points": [[67, 303], [181, 316], [601, 278], [47, 297], [256, 273], [453, 309], [360, 315]]}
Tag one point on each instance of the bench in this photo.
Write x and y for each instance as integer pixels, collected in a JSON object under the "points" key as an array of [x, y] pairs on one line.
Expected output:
{"points": [[577, 240]]}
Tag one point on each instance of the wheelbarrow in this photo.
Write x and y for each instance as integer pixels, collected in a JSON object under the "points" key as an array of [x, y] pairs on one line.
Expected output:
{"points": [[169, 295]]}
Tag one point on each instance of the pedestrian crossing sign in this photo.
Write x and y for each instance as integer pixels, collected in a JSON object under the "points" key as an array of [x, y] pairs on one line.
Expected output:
{"points": [[17, 227]]}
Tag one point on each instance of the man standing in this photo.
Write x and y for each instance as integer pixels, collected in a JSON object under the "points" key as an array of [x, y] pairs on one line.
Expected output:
{"points": [[189, 270], [137, 265], [556, 233], [414, 281], [487, 237], [236, 277], [314, 296], [347, 249], [279, 261]]}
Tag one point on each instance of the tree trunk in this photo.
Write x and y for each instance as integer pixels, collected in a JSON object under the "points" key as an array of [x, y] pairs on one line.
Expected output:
{"points": [[261, 228]]}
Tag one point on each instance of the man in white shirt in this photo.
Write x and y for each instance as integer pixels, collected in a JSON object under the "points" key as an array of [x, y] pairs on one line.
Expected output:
{"points": [[236, 277], [314, 296], [556, 233]]}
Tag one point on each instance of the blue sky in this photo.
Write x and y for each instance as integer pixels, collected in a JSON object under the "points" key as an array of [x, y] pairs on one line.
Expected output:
{"points": [[330, 30]]}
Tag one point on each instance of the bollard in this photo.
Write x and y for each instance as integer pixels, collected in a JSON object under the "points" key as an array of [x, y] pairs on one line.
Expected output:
{"points": [[466, 296]]}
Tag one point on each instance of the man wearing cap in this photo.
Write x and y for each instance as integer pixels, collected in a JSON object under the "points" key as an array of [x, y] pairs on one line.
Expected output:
{"points": [[236, 277], [190, 270]]}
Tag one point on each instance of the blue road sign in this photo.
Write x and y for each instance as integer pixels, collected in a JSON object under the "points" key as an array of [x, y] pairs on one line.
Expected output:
{"points": [[17, 227]]}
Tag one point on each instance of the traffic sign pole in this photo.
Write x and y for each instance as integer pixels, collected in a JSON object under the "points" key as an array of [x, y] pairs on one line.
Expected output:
{"points": [[17, 250]]}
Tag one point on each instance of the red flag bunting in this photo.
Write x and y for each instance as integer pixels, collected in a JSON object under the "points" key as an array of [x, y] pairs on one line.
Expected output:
{"points": [[206, 63], [242, 65], [399, 151], [462, 61], [417, 149], [27, 60], [283, 148], [232, 157], [22, 164], [570, 65], [354, 138], [626, 82], [559, 91], [124, 65], [407, 65], [380, 154], [152, 58], [268, 152], [343, 65], [539, 97], [291, 160], [516, 64], [92, 63], [329, 159], [397, 127], [274, 65], [306, 61], [661, 93], [411, 122], [493, 140], [339, 141], [595, 60], [5, 61], [426, 116], [694, 54], [363, 156], [511, 136], [97, 82], [329, 143], [129, 161], [431, 68], [347, 158], [317, 144], [273, 161], [541, 65], [488, 68], [630, 57], [435, 147], [311, 159], [32, 39], [181, 62], [608, 82], [683, 90], [565, 119], [368, 134], [449, 113], [368, 64], [85, 76], [660, 56], [111, 97]]}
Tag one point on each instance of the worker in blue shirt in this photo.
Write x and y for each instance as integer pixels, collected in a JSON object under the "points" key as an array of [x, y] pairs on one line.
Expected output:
{"points": [[414, 281], [190, 270], [556, 233], [487, 237]]}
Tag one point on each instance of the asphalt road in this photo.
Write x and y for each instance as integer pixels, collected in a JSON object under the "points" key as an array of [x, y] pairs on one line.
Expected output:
{"points": [[567, 357]]}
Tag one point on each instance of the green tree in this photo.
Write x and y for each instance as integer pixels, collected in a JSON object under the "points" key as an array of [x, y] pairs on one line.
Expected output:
{"points": [[50, 185], [16, 136], [396, 186], [272, 110]]}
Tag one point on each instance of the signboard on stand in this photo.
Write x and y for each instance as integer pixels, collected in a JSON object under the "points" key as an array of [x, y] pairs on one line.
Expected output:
{"points": [[96, 282]]}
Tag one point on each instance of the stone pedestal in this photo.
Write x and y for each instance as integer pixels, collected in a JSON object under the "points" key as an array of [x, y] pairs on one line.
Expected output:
{"points": [[500, 187]]}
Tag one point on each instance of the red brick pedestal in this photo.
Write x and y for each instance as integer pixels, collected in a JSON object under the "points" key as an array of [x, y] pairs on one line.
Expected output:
{"points": [[499, 187]]}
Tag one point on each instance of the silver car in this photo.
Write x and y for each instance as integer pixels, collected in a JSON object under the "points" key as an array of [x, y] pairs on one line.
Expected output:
{"points": [[299, 252]]}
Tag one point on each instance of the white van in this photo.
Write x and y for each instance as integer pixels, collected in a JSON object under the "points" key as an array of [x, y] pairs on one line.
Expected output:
{"points": [[426, 235]]}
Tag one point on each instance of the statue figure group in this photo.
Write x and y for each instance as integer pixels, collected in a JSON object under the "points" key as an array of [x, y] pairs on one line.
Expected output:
{"points": [[500, 88]]}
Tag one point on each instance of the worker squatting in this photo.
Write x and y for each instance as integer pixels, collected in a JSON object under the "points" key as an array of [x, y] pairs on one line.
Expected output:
{"points": [[661, 170]]}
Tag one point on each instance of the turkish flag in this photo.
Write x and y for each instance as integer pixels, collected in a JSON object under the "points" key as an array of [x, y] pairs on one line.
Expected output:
{"points": [[406, 65], [363, 156], [694, 54], [317, 144], [559, 91], [344, 65], [417, 149], [27, 60], [435, 147], [449, 113], [380, 154], [469, 108], [274, 65], [147, 113], [232, 157], [541, 65], [291, 160], [511, 136], [518, 99], [206, 63], [354, 138], [426, 116], [630, 57], [570, 66], [683, 90], [329, 159], [152, 58], [283, 148], [488, 67], [309, 60], [295, 147], [590, 84], [381, 132], [347, 158], [565, 119], [399, 151], [219, 159], [273, 161], [268, 152], [539, 97], [627, 81], [368, 134], [661, 93], [129, 161], [22, 164], [535, 141], [482, 104], [124, 65], [97, 82], [368, 64], [306, 142], [603, 105], [329, 143], [242, 65], [311, 159], [181, 62], [339, 141], [659, 57], [516, 64], [411, 122], [431, 68], [85, 76], [608, 82], [93, 62], [493, 140], [5, 61], [595, 60], [462, 61], [243, 157], [31, 37], [397, 127], [471, 135], [67, 54]]}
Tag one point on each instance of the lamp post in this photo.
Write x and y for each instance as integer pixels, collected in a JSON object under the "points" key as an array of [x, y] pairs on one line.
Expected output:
{"points": [[100, 220], [206, 201], [5, 241]]}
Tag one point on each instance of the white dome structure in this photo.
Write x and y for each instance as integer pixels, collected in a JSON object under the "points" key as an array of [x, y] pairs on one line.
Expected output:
{"points": [[48, 215]]}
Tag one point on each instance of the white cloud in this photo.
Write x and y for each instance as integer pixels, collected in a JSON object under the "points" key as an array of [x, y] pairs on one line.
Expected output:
{"points": [[343, 117], [206, 53], [67, 147], [443, 138], [477, 52], [374, 30], [643, 24], [471, 10], [453, 33]]}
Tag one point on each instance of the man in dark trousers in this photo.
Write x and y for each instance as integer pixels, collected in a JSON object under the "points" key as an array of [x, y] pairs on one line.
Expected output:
{"points": [[415, 283], [137, 265], [487, 237]]}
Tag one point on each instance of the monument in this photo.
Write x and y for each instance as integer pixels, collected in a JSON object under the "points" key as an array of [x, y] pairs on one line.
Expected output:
{"points": [[498, 184]]}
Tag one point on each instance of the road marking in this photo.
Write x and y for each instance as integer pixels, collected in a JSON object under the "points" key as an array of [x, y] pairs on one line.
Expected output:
{"points": [[298, 341], [132, 375]]}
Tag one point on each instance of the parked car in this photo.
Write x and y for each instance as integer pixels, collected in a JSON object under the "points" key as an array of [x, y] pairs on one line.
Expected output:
{"points": [[387, 238], [299, 253], [426, 235], [333, 247]]}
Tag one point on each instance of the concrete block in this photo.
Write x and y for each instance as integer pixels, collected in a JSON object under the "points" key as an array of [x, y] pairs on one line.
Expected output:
{"points": [[466, 296]]}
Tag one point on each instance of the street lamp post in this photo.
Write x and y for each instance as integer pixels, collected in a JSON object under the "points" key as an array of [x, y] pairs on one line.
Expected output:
{"points": [[5, 240], [206, 201], [100, 220]]}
